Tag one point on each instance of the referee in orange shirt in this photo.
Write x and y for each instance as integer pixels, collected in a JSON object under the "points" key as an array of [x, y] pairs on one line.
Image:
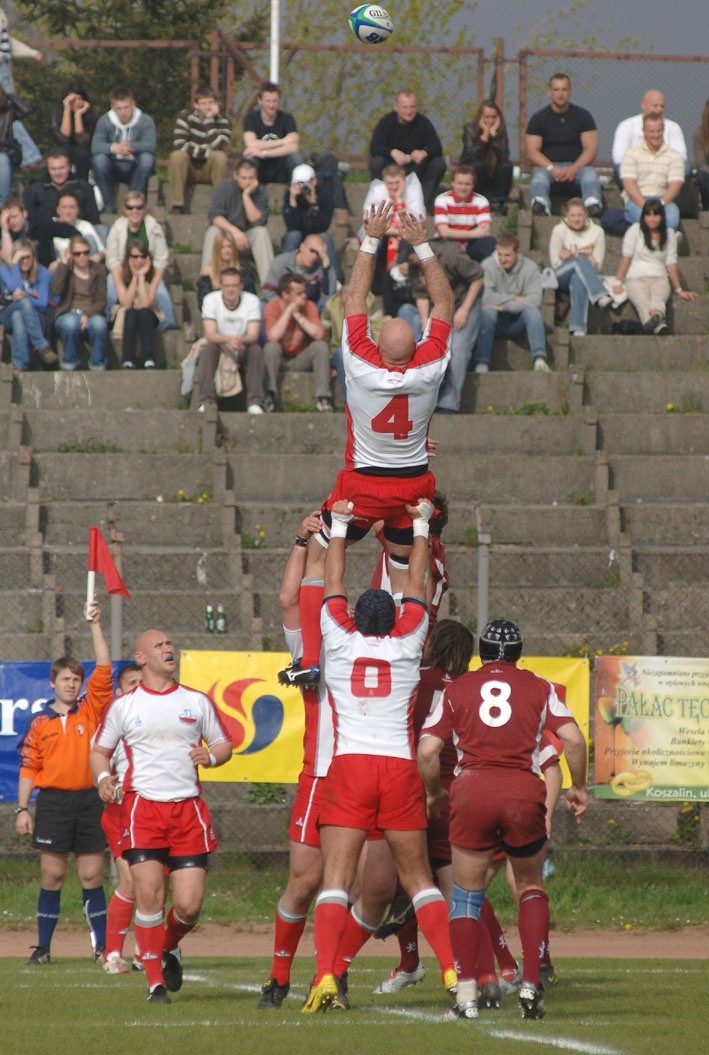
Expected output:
{"points": [[54, 753]]}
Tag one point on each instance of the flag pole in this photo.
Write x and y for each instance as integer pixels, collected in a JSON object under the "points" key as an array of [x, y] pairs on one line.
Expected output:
{"points": [[116, 538], [90, 593]]}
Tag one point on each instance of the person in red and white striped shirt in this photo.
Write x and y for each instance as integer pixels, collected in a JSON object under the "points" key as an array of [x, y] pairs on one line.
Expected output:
{"points": [[464, 216]]}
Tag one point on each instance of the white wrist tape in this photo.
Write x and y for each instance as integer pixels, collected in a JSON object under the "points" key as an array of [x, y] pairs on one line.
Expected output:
{"points": [[369, 245], [424, 251], [338, 528], [420, 527], [212, 760], [102, 776]]}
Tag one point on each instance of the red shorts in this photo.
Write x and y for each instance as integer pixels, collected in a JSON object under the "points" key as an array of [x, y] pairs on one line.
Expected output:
{"points": [[493, 807], [184, 827], [374, 791], [112, 824], [306, 810], [381, 497]]}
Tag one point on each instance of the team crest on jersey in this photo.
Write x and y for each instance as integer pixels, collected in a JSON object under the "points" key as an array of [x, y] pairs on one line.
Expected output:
{"points": [[187, 717]]}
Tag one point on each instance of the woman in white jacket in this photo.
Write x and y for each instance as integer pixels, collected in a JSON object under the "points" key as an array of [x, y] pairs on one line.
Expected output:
{"points": [[648, 264], [577, 248]]}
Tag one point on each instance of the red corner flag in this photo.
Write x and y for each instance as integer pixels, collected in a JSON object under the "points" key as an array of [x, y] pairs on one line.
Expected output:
{"points": [[101, 561]]}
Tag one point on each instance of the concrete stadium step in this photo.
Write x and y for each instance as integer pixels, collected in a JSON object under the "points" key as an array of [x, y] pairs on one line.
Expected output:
{"points": [[667, 522], [689, 641], [183, 636], [187, 267], [643, 353], [649, 391], [155, 568], [467, 434], [96, 430], [12, 522], [148, 523], [114, 390], [654, 433], [663, 566], [15, 570], [526, 567], [566, 479], [659, 478], [570, 611], [123, 476]]}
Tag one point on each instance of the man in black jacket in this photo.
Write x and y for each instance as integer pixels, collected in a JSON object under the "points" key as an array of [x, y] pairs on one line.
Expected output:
{"points": [[409, 139]]}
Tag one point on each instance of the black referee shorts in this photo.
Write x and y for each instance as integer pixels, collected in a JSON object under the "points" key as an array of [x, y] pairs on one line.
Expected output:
{"points": [[68, 821]]}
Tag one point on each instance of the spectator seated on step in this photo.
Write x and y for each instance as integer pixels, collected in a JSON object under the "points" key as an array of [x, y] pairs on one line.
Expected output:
{"points": [[562, 143], [406, 195], [308, 208], [136, 222], [224, 254], [409, 139], [239, 205], [701, 156], [311, 260], [25, 285], [136, 320], [512, 298], [13, 225], [72, 125], [464, 216], [486, 147], [199, 150], [79, 291], [577, 249], [629, 132], [295, 340], [41, 199], [66, 224], [271, 139], [652, 169], [232, 325], [123, 148]]}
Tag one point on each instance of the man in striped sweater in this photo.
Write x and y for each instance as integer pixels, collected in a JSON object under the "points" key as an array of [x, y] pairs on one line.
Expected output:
{"points": [[200, 142]]}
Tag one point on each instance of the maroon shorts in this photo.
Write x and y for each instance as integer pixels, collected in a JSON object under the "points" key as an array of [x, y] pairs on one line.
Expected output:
{"points": [[112, 824], [438, 835], [306, 810], [497, 807], [381, 497], [184, 827], [374, 791]]}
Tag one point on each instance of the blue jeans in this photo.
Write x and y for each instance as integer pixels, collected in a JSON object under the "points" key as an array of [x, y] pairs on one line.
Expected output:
{"points": [[109, 170], [632, 213], [462, 344], [26, 326], [68, 327], [587, 185], [584, 284], [409, 313], [6, 174], [507, 324]]}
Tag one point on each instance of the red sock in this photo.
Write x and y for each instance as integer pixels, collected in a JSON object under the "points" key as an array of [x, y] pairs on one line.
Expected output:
{"points": [[311, 597], [408, 938], [486, 958], [354, 936], [465, 935], [288, 932], [118, 917], [432, 915], [330, 921], [533, 931], [150, 938], [175, 929], [505, 959]]}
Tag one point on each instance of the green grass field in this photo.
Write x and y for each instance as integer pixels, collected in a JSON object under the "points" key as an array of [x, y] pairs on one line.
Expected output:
{"points": [[598, 1007]]}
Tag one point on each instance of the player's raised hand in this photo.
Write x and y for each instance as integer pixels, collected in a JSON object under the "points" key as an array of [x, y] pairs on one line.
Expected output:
{"points": [[342, 511], [424, 510], [413, 228], [377, 220]]}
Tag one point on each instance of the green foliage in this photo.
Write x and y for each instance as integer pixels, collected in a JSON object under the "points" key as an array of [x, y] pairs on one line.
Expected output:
{"points": [[470, 538], [89, 446], [585, 498], [265, 794], [255, 541]]}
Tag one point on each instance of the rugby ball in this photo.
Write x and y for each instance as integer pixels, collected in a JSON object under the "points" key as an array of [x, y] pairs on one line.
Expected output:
{"points": [[371, 24]]}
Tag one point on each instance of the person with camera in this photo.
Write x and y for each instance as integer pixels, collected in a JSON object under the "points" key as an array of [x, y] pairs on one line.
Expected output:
{"points": [[308, 208]]}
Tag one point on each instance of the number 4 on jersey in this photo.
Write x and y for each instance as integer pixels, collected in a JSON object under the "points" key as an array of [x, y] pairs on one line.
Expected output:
{"points": [[394, 418]]}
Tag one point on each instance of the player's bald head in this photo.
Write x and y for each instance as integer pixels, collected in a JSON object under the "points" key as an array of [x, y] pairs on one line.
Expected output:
{"points": [[396, 342], [144, 641]]}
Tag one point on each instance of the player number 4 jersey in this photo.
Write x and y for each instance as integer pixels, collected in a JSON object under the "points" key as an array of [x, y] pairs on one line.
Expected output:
{"points": [[388, 411]]}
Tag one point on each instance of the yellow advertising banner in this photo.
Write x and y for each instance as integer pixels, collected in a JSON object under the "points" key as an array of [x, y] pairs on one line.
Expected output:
{"points": [[265, 720], [652, 728]]}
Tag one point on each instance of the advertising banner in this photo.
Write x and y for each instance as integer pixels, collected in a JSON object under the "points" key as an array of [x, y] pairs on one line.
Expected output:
{"points": [[652, 728]]}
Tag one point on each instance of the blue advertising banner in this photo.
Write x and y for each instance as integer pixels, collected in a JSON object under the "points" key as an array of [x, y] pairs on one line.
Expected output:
{"points": [[24, 687]]}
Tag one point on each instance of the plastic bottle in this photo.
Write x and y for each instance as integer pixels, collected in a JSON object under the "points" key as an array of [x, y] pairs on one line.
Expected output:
{"points": [[220, 624], [209, 620]]}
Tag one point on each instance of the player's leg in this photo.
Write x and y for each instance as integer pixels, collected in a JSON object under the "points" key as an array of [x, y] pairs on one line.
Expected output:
{"points": [[188, 879], [341, 849], [533, 922], [376, 880], [304, 878], [469, 874], [118, 919], [411, 859], [147, 868]]}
